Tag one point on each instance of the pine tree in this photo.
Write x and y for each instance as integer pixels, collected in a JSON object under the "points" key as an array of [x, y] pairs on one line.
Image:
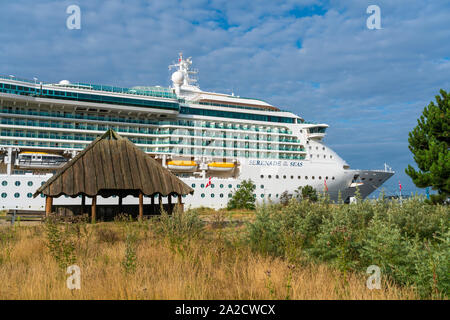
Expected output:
{"points": [[429, 142]]}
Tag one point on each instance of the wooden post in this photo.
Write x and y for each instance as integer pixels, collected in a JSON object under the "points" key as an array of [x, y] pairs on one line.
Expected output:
{"points": [[160, 204], [179, 199], [153, 204], [120, 204], [83, 204], [141, 206], [169, 204], [48, 206], [93, 209]]}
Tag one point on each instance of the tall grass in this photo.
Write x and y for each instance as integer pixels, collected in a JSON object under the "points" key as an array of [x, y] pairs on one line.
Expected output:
{"points": [[173, 257]]}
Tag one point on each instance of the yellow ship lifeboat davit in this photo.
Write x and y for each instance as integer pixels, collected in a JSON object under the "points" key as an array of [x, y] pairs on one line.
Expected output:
{"points": [[182, 165], [221, 166]]}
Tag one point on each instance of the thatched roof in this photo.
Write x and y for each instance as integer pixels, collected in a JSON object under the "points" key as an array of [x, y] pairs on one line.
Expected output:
{"points": [[113, 165]]}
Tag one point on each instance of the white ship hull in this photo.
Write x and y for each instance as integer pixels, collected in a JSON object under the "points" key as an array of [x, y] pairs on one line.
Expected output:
{"points": [[217, 195]]}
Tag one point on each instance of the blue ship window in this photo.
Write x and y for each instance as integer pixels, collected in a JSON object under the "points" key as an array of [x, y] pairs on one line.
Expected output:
{"points": [[4, 183], [16, 195], [4, 195], [30, 183], [17, 183], [29, 195]]}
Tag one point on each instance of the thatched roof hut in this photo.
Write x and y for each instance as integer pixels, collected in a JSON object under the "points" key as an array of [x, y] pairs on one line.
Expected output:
{"points": [[112, 165]]}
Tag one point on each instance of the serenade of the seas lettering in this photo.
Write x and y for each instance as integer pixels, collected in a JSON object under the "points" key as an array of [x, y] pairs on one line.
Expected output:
{"points": [[276, 163]]}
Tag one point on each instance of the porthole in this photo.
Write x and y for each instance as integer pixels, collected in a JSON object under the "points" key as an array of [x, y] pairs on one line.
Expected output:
{"points": [[292, 177], [230, 195], [276, 195], [306, 177], [221, 185], [30, 183], [238, 186], [203, 195], [42, 195], [324, 156], [221, 195], [17, 183], [332, 178], [320, 178], [270, 195], [284, 177], [212, 185], [323, 148], [270, 177], [4, 195], [202, 185], [262, 176], [318, 156], [331, 157], [193, 185], [212, 195], [262, 186], [326, 178], [29, 195], [230, 186], [262, 195], [16, 195], [299, 177], [313, 177], [277, 176], [254, 195], [42, 183], [4, 183]]}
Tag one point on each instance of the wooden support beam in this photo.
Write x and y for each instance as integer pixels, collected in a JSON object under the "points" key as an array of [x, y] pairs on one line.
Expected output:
{"points": [[83, 204], [120, 204], [94, 209], [179, 199], [169, 199], [48, 206], [141, 205]]}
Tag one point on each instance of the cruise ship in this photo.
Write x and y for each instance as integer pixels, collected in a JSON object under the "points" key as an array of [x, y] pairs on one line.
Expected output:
{"points": [[211, 141]]}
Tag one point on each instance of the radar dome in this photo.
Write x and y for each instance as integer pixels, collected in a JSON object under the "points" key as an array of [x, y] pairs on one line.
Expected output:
{"points": [[64, 82], [177, 77]]}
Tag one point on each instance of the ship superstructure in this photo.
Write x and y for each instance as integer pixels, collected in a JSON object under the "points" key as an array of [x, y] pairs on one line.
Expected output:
{"points": [[200, 136]]}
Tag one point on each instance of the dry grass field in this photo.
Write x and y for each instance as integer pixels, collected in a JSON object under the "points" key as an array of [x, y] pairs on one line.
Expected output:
{"points": [[138, 260]]}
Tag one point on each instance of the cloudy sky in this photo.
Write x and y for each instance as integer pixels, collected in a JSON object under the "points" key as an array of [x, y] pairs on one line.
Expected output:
{"points": [[315, 58]]}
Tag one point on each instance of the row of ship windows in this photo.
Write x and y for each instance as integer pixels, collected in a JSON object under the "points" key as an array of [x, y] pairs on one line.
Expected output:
{"points": [[30, 195], [200, 124], [18, 183], [298, 177], [94, 127], [17, 195], [262, 195]]}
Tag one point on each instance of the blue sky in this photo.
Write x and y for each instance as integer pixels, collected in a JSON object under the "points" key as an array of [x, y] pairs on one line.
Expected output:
{"points": [[315, 58]]}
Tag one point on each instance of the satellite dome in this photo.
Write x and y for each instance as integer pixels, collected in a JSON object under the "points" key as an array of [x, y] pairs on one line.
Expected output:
{"points": [[64, 82], [177, 77]]}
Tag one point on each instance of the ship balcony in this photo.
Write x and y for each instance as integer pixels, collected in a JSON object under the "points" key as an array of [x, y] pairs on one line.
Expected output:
{"points": [[316, 135]]}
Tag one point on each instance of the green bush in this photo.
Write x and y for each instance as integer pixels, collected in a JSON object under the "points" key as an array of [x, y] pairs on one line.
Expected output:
{"points": [[243, 197], [409, 241]]}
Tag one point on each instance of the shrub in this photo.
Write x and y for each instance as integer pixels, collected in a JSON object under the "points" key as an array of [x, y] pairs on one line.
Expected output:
{"points": [[410, 242]]}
